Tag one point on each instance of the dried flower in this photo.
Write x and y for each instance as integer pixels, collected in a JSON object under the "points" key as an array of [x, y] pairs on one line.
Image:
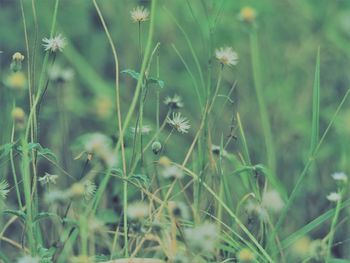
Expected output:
{"points": [[137, 210], [180, 123], [202, 238], [139, 14], [48, 178], [334, 197], [55, 43], [272, 201], [226, 56], [174, 102]]}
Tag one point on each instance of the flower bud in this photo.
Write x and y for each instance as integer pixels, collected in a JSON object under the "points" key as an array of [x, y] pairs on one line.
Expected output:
{"points": [[156, 147]]}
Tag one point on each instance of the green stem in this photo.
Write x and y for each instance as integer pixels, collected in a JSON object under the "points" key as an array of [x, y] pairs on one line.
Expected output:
{"points": [[270, 152]]}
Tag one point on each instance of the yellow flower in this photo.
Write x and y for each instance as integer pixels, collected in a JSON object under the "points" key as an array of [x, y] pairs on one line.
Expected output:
{"points": [[245, 255], [164, 161], [247, 14], [16, 81]]}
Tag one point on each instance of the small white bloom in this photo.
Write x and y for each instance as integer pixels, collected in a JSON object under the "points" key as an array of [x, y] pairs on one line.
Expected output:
{"points": [[48, 178], [216, 149], [174, 102], [55, 43], [180, 123], [202, 238], [139, 14], [28, 259], [172, 172], [226, 56], [4, 189], [272, 201], [145, 129], [334, 197], [137, 210], [89, 189], [340, 177]]}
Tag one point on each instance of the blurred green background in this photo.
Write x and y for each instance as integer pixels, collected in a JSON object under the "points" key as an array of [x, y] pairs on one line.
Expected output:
{"points": [[289, 34]]}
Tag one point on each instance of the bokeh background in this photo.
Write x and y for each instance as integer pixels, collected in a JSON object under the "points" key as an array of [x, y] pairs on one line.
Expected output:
{"points": [[289, 33]]}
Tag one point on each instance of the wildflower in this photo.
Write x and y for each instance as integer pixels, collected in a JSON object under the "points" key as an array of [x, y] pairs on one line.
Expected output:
{"points": [[215, 149], [247, 14], [60, 75], [226, 56], [28, 259], [19, 117], [16, 81], [272, 201], [17, 57], [255, 210], [48, 178], [172, 172], [145, 129], [181, 124], [318, 249], [174, 102], [137, 210], [4, 189], [139, 14], [179, 210], [84, 189], [164, 161], [245, 255], [301, 247], [55, 43], [340, 177], [156, 147], [202, 238], [334, 197]]}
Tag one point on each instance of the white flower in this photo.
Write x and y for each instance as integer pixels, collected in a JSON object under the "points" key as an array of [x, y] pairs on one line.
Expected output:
{"points": [[139, 14], [59, 74], [137, 210], [145, 129], [180, 210], [202, 238], [340, 177], [174, 102], [48, 178], [55, 43], [272, 201], [28, 259], [172, 172], [181, 124], [216, 149], [226, 56], [334, 197], [4, 189]]}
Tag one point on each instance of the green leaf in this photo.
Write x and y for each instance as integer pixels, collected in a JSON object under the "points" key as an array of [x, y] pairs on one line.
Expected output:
{"points": [[20, 214], [44, 215], [151, 80], [5, 150]]}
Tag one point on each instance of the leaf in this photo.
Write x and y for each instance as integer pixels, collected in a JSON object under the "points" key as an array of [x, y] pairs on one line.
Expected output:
{"points": [[44, 215], [151, 80], [20, 214], [6, 149]]}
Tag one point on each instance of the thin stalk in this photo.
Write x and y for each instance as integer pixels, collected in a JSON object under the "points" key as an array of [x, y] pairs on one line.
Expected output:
{"points": [[269, 145], [13, 169]]}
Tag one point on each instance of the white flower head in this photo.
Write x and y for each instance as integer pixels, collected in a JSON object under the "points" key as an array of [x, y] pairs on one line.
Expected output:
{"points": [[216, 149], [174, 102], [172, 172], [145, 129], [139, 14], [202, 238], [137, 210], [178, 122], [54, 44], [179, 210], [28, 259], [226, 56], [48, 179], [334, 197], [272, 201], [4, 189], [340, 177]]}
